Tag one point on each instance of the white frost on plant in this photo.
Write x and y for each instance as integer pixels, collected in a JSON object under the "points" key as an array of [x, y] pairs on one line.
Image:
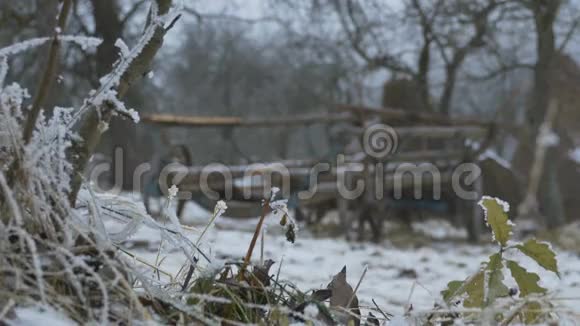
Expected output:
{"points": [[221, 207], [23, 46], [110, 96], [274, 192], [486, 285], [48, 146], [280, 205], [12, 96], [173, 191], [132, 216], [37, 202], [280, 208], [123, 48], [134, 115], [84, 41], [505, 205]]}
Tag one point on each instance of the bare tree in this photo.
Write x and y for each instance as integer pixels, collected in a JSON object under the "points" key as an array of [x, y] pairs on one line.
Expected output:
{"points": [[451, 29], [541, 53]]}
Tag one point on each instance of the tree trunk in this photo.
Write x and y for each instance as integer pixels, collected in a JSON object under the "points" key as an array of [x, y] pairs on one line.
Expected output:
{"points": [[449, 87], [121, 133], [549, 198], [109, 28], [422, 78]]}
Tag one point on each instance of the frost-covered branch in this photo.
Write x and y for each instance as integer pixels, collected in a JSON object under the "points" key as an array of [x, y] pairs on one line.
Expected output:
{"points": [[86, 42], [97, 110]]}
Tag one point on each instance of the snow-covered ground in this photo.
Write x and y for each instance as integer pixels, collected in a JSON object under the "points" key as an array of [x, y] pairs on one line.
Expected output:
{"points": [[395, 278], [39, 315]]}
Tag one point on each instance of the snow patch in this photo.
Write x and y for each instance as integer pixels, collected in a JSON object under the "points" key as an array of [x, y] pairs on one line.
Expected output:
{"points": [[40, 315], [438, 229], [311, 262], [493, 155], [311, 311], [547, 137]]}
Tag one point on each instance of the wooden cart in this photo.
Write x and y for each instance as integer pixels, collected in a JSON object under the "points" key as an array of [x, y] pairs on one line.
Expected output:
{"points": [[425, 141]]}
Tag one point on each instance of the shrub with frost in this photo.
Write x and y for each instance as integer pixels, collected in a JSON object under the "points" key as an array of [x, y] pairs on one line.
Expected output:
{"points": [[58, 254]]}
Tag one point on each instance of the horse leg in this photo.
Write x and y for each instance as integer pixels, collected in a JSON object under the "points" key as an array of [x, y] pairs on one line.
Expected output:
{"points": [[180, 208], [342, 206], [376, 227], [363, 218]]}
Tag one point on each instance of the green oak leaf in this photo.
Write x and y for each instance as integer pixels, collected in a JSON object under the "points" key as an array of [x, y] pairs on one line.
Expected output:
{"points": [[497, 219], [473, 287], [496, 287], [541, 253], [451, 290], [475, 291], [527, 282]]}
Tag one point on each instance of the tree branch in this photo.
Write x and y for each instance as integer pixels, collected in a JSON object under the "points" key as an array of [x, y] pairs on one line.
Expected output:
{"points": [[48, 74], [569, 35], [132, 12], [355, 39]]}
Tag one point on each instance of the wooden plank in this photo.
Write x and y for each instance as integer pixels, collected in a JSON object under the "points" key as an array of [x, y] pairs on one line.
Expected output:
{"points": [[180, 120], [350, 113], [425, 156], [440, 132], [296, 178], [411, 116], [225, 121]]}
